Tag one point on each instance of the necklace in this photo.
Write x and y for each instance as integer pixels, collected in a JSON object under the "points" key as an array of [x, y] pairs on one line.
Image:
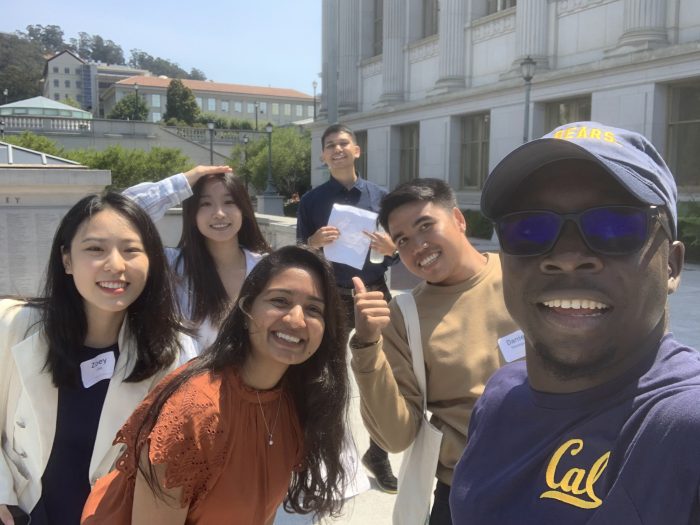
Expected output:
{"points": [[274, 424]]}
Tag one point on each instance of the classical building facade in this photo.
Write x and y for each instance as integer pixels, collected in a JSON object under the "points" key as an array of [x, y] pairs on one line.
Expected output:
{"points": [[435, 88], [264, 104]]}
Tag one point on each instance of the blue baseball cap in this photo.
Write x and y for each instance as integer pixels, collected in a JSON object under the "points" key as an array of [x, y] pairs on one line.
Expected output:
{"points": [[627, 156]]}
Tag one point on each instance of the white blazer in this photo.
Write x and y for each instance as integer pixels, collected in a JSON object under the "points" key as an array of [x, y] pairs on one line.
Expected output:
{"points": [[29, 404]]}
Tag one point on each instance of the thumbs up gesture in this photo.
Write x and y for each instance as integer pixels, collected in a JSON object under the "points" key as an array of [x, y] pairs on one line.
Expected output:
{"points": [[371, 313]]}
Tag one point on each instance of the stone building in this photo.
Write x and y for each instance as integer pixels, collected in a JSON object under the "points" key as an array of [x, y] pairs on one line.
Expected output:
{"points": [[437, 89]]}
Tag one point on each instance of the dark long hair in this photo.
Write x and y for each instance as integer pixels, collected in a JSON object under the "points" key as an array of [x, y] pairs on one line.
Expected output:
{"points": [[319, 386], [152, 317], [209, 298]]}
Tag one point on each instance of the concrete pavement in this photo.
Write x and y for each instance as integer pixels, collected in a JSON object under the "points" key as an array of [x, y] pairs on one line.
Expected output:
{"points": [[374, 507]]}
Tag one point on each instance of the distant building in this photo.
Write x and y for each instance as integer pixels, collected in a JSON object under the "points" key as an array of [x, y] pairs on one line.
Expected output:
{"points": [[42, 107], [276, 105], [67, 75], [440, 93]]}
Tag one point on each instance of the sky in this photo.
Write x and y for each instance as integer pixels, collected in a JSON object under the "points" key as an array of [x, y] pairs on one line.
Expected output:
{"points": [[273, 43]]}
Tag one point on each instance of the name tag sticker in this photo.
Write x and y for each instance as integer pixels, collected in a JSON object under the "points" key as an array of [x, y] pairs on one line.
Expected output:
{"points": [[512, 346], [96, 369]]}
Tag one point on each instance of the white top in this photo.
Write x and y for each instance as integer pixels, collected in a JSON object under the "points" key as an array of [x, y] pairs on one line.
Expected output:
{"points": [[156, 198]]}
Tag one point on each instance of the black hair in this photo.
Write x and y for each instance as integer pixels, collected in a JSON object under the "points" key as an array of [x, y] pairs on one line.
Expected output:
{"points": [[337, 128], [153, 320], [209, 298], [318, 386], [417, 190]]}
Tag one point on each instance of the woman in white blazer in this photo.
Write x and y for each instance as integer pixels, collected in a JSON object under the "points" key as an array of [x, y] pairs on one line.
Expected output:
{"points": [[75, 362], [220, 244]]}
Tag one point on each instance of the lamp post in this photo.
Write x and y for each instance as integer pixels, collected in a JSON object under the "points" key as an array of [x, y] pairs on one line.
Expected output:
{"points": [[210, 127], [136, 102], [271, 189], [314, 84], [257, 105], [245, 161], [527, 70], [5, 92], [2, 129]]}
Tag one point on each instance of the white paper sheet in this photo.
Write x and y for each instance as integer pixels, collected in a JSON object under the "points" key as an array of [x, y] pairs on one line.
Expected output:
{"points": [[352, 246]]}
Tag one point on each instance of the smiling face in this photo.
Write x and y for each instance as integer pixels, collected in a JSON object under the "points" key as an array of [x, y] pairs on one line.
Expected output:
{"points": [[340, 151], [431, 241], [108, 263], [587, 317], [286, 321], [218, 217]]}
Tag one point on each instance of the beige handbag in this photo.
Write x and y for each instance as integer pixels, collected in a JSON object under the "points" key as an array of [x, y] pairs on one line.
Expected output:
{"points": [[417, 473]]}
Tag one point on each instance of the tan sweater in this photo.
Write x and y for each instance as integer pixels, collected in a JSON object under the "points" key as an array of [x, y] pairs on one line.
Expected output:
{"points": [[460, 327]]}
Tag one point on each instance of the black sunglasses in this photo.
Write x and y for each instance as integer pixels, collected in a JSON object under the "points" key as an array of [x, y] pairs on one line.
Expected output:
{"points": [[608, 230]]}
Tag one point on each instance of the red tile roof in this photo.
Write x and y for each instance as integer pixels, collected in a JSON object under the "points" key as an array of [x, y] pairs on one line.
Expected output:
{"points": [[220, 87]]}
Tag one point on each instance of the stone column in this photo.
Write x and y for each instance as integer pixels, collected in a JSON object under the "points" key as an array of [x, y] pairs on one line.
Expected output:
{"points": [[348, 55], [644, 24], [325, 29], [531, 31], [452, 64], [392, 52]]}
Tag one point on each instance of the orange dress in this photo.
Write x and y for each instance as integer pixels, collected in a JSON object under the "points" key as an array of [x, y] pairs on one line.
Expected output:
{"points": [[212, 436]]}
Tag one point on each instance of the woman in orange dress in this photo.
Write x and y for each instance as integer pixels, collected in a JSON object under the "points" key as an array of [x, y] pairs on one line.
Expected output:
{"points": [[255, 421]]}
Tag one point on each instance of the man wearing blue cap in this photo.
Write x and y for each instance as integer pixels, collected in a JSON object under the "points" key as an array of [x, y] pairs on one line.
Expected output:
{"points": [[600, 424]]}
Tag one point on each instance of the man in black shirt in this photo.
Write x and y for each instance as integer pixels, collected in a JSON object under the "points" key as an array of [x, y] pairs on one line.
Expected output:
{"points": [[339, 152]]}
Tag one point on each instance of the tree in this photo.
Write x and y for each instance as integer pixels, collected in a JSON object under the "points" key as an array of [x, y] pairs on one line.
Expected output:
{"points": [[21, 68], [29, 140], [131, 107], [71, 102], [106, 51], [291, 160], [48, 38], [197, 74], [180, 103]]}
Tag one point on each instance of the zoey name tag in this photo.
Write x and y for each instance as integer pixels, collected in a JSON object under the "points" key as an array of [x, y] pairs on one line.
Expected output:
{"points": [[512, 346], [97, 369]]}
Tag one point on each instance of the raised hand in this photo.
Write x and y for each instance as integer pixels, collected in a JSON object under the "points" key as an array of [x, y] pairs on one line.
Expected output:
{"points": [[371, 313]]}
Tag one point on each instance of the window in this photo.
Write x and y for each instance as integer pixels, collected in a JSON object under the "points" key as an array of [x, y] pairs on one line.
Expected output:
{"points": [[237, 107], [288, 110], [251, 108], [430, 17], [408, 166], [263, 107], [683, 154], [55, 69], [79, 97], [494, 6], [474, 151], [155, 100], [560, 112], [310, 111], [211, 104], [300, 110], [378, 28], [224, 106], [275, 108], [155, 116], [67, 83], [198, 100], [361, 163], [78, 84], [78, 71], [66, 70], [56, 96], [55, 82]]}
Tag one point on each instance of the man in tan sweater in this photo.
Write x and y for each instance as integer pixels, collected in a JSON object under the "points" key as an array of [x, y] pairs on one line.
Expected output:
{"points": [[462, 316]]}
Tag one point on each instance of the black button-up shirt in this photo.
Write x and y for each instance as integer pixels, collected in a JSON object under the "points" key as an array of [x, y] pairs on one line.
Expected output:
{"points": [[315, 209]]}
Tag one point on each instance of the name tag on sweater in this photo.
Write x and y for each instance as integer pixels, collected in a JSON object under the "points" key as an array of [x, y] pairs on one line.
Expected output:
{"points": [[512, 346], [96, 369]]}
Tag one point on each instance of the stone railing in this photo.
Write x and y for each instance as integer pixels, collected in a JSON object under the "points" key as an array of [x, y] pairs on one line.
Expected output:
{"points": [[46, 124], [221, 136]]}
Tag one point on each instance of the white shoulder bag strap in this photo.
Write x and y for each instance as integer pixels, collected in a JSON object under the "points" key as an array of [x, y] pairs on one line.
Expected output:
{"points": [[417, 473]]}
